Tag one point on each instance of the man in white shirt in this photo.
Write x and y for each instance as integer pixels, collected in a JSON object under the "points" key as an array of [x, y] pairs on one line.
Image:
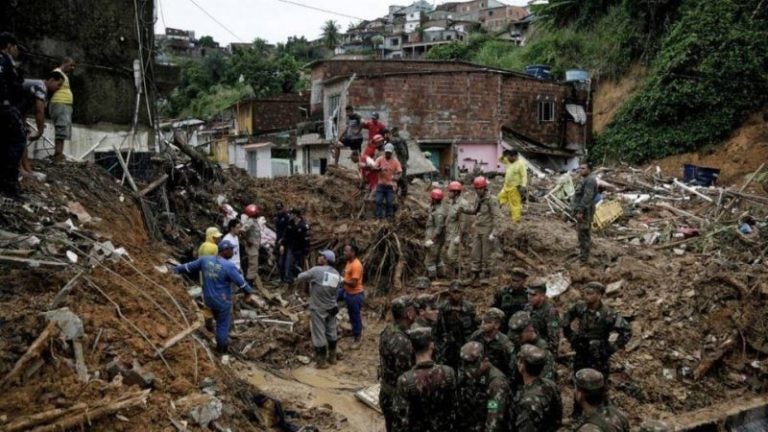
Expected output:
{"points": [[233, 232]]}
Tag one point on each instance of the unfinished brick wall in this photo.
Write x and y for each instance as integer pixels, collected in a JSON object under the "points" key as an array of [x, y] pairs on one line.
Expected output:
{"points": [[278, 113], [467, 106]]}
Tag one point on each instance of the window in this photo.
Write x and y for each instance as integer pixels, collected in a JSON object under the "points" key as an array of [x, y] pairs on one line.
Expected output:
{"points": [[394, 42], [546, 111]]}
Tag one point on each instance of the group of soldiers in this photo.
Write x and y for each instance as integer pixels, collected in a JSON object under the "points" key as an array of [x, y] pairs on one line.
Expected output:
{"points": [[442, 369]]}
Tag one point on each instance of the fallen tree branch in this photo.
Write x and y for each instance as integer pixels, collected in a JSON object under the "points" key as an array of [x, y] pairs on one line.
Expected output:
{"points": [[33, 351], [183, 334], [707, 363]]}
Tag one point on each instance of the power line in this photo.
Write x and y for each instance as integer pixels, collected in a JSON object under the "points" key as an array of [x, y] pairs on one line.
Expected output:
{"points": [[162, 14], [321, 10], [217, 21]]}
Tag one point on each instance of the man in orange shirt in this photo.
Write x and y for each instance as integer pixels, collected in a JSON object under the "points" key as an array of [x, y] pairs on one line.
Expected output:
{"points": [[353, 292], [389, 171]]}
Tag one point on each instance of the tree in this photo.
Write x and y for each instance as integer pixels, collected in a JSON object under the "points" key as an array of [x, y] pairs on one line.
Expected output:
{"points": [[207, 42], [331, 34]]}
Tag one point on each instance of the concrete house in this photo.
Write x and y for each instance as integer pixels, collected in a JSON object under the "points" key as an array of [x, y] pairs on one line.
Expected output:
{"points": [[459, 112]]}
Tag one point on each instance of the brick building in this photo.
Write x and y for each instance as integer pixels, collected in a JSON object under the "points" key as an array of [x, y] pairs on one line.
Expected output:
{"points": [[260, 116], [456, 110]]}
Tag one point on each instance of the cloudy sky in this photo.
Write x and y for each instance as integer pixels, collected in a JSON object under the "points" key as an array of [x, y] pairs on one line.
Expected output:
{"points": [[273, 20]]}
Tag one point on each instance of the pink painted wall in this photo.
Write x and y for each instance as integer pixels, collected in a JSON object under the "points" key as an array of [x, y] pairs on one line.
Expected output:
{"points": [[485, 153]]}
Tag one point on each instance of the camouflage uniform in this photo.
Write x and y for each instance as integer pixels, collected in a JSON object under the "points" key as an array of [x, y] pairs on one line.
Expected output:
{"points": [[436, 235], [422, 302], [499, 350], [604, 418], [512, 298], [593, 350], [395, 358], [517, 324], [545, 318], [487, 217], [455, 231], [584, 202], [483, 393], [425, 400], [455, 325], [537, 406], [252, 244]]}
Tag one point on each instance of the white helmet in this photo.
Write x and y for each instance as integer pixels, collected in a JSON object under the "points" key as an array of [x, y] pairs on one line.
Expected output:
{"points": [[389, 148]]}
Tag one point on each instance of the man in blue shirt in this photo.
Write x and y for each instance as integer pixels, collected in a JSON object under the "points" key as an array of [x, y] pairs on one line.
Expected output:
{"points": [[218, 273]]}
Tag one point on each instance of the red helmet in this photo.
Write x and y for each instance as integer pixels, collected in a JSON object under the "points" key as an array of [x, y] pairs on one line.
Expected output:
{"points": [[377, 139], [480, 182], [252, 210], [455, 186], [436, 194]]}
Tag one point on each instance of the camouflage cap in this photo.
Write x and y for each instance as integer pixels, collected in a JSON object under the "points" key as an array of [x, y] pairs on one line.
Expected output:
{"points": [[589, 379], [420, 335], [400, 304], [519, 321], [533, 355], [424, 300], [536, 285], [421, 283], [472, 352], [494, 314], [456, 286], [654, 426], [595, 286]]}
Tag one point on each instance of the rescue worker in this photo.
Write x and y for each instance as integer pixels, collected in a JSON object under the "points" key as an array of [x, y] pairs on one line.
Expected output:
{"points": [[498, 349], [583, 206], [295, 244], [425, 400], [13, 135], [487, 217], [389, 170], [34, 102], [522, 332], [515, 183], [455, 228], [596, 323], [282, 220], [323, 281], [403, 154], [537, 406], [218, 274], [375, 126], [590, 397], [352, 136], [252, 231], [395, 354], [483, 393], [426, 311], [210, 247], [456, 322], [352, 292], [435, 237], [544, 315], [512, 297], [367, 163]]}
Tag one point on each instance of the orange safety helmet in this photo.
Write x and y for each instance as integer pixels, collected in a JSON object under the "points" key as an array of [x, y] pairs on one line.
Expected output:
{"points": [[252, 210], [377, 139], [436, 194], [455, 186], [480, 182]]}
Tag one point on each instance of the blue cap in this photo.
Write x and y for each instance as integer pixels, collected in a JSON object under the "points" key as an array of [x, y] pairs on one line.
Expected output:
{"points": [[328, 255], [226, 244]]}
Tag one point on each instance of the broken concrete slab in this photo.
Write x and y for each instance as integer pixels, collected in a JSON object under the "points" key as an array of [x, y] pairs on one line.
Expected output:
{"points": [[132, 373], [79, 211], [207, 412], [69, 323]]}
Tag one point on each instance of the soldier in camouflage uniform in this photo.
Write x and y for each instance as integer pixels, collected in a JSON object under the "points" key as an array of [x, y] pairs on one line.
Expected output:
{"points": [[596, 323], [484, 396], [455, 227], [522, 332], [583, 206], [395, 354], [496, 345], [435, 236], [425, 400], [513, 297], [456, 322], [488, 218], [544, 315], [537, 406], [591, 399], [426, 311]]}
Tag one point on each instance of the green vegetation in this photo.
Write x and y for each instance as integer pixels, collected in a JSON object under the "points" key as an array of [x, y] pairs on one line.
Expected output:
{"points": [[707, 59], [212, 83]]}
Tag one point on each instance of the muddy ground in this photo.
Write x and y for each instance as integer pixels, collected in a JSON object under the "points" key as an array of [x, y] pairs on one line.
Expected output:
{"points": [[683, 307]]}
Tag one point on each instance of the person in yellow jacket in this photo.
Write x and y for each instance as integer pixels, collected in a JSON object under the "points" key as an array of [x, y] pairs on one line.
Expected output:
{"points": [[515, 183], [211, 245], [60, 109]]}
